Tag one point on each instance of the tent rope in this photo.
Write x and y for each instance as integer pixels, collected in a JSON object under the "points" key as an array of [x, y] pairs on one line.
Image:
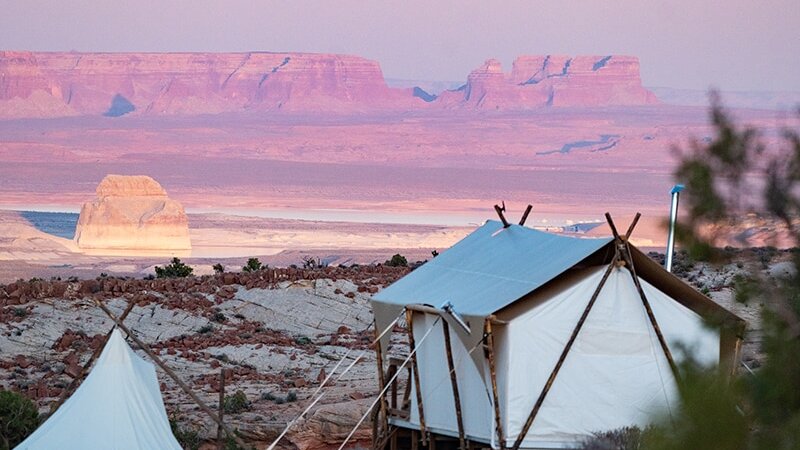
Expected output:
{"points": [[325, 381], [389, 383]]}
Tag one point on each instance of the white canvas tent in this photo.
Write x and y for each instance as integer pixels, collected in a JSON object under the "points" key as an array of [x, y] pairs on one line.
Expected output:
{"points": [[561, 342], [117, 407]]}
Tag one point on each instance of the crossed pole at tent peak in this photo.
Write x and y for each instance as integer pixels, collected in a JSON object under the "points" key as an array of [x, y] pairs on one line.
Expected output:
{"points": [[146, 348], [622, 257]]}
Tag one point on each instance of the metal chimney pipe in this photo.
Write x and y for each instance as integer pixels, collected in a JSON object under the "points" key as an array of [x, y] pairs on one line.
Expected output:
{"points": [[673, 218]]}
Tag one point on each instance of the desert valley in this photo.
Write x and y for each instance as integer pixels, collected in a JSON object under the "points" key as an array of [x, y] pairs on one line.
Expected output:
{"points": [[249, 143]]}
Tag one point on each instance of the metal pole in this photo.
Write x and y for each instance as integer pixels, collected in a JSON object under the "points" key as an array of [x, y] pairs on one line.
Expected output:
{"points": [[673, 218]]}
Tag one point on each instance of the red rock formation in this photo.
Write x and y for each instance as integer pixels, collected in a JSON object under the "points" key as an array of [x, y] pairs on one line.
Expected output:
{"points": [[554, 80], [132, 213], [193, 83], [114, 84]]}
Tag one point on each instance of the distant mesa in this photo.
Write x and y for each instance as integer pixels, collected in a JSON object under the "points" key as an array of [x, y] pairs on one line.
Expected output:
{"points": [[553, 80], [56, 84], [132, 213]]}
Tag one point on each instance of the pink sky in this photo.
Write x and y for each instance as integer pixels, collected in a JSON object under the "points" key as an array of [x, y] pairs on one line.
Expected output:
{"points": [[731, 45]]}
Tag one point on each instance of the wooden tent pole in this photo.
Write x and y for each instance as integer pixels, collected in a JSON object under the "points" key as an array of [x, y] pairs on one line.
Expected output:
{"points": [[623, 245], [95, 354], [454, 383], [651, 315], [415, 372], [384, 412], [145, 348], [487, 329], [563, 356], [525, 215], [221, 408], [499, 212]]}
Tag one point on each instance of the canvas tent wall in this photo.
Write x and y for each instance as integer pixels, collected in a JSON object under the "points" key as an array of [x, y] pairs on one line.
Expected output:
{"points": [[535, 285], [118, 406]]}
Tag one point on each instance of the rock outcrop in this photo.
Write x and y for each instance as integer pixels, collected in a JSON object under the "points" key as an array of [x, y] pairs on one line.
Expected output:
{"points": [[132, 213], [553, 80], [52, 84], [58, 83]]}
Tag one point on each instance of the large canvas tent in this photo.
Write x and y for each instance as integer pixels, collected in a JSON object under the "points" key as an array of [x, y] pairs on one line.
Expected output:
{"points": [[118, 406], [549, 338]]}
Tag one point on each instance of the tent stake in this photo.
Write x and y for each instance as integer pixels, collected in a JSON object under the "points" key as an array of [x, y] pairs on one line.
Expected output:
{"points": [[145, 348], [415, 371], [563, 356], [487, 327], [95, 354], [454, 383]]}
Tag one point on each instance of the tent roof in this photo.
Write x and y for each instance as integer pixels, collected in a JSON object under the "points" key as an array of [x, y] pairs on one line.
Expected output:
{"points": [[490, 269], [117, 406]]}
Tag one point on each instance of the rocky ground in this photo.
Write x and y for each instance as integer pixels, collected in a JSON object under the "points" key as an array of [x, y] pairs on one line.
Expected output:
{"points": [[278, 331]]}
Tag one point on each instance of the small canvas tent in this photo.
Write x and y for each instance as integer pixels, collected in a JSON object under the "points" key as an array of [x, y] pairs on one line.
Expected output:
{"points": [[548, 338], [118, 406]]}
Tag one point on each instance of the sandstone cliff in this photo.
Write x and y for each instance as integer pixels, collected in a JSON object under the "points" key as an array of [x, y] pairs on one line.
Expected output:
{"points": [[57, 83], [54, 84], [132, 213], [553, 80]]}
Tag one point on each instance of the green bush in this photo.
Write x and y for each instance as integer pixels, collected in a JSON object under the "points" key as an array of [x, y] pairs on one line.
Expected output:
{"points": [[236, 403], [18, 419], [176, 269], [397, 260], [627, 438], [218, 268], [253, 265]]}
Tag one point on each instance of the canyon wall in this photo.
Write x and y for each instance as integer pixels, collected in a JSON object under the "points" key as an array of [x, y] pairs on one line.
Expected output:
{"points": [[132, 213], [553, 80], [57, 84]]}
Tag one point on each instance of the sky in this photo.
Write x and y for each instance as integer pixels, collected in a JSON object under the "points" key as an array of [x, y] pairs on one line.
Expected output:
{"points": [[736, 45]]}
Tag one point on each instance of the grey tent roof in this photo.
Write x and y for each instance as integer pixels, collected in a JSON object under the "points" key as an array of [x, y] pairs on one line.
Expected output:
{"points": [[490, 269]]}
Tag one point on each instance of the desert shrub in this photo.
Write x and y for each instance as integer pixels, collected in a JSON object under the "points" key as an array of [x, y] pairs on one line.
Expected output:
{"points": [[189, 438], [253, 265], [760, 411], [291, 397], [205, 329], [20, 312], [218, 268], [268, 396], [218, 317], [397, 260], [18, 419], [176, 269], [302, 340], [627, 438], [236, 403]]}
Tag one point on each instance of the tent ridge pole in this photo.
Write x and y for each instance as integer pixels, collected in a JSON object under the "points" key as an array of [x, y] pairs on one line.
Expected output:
{"points": [[415, 372], [537, 406], [145, 348], [489, 352], [381, 384], [454, 383]]}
